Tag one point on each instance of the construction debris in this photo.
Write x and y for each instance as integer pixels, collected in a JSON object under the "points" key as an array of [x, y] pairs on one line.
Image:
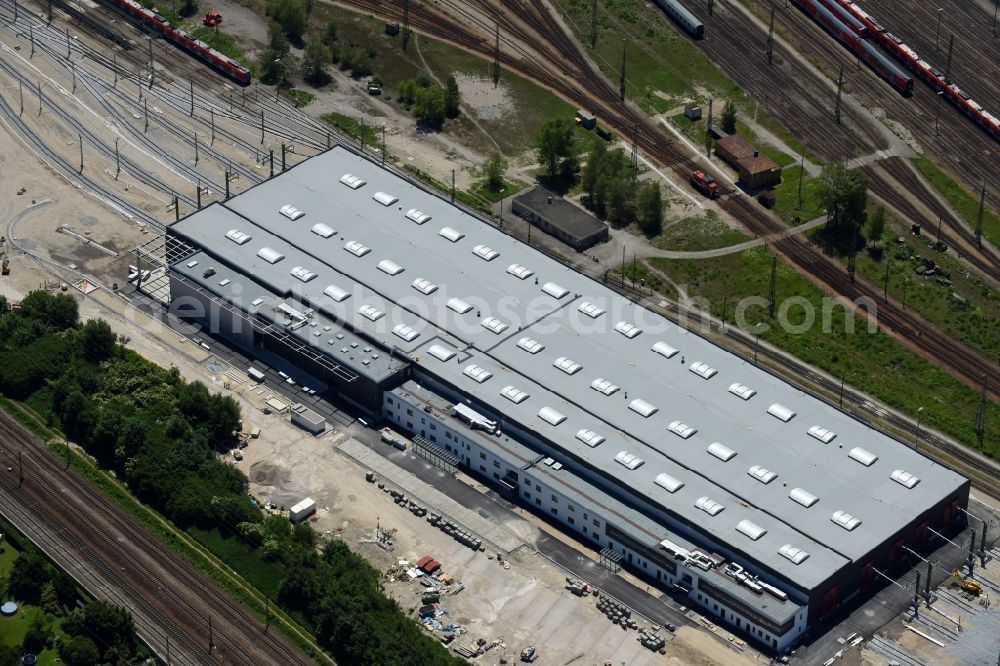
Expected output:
{"points": [[617, 613], [651, 640]]}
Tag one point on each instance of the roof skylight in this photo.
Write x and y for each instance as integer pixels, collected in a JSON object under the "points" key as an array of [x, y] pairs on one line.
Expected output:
{"points": [[721, 451], [589, 437], [793, 553], [803, 497], [863, 456], [238, 236], [762, 474], [484, 252], [554, 290], [845, 520], [628, 329], [904, 478], [520, 272], [566, 365], [390, 267], [663, 349], [824, 435], [682, 430], [385, 198], [424, 286], [709, 506], [750, 529], [323, 230], [270, 255], [494, 324], [515, 395], [336, 293], [370, 312], [629, 460], [357, 248], [590, 310], [451, 234], [408, 333], [530, 345], [703, 369], [458, 305], [291, 212], [603, 386], [476, 373], [353, 182], [668, 483], [303, 274], [417, 216], [742, 390], [551, 416], [779, 411], [441, 353], [643, 408]]}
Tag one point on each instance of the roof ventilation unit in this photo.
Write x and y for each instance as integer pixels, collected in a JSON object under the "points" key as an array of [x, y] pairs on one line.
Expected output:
{"points": [[520, 272], [291, 212], [530, 345], [357, 248], [721, 451], [762, 474], [781, 412], [441, 353], [863, 456], [703, 369], [589, 437], [192, 263], [803, 497], [458, 305], [554, 290], [643, 408], [663, 349], [668, 483], [629, 460], [417, 216], [390, 267], [353, 182], [566, 365], [336, 293], [845, 520], [709, 506], [323, 230], [385, 198], [370, 312], [483, 252], [453, 235], [425, 287], [515, 395], [405, 332], [603, 386], [237, 236], [494, 324], [551, 416], [742, 391], [824, 435], [904, 478], [682, 430], [590, 310], [793, 553], [628, 329], [477, 374], [751, 529], [270, 255], [303, 274]]}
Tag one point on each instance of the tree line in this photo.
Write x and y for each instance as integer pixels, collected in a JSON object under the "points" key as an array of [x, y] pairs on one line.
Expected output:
{"points": [[163, 435]]}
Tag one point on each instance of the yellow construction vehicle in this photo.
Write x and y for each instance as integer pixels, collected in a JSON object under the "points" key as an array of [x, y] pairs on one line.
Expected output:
{"points": [[968, 585]]}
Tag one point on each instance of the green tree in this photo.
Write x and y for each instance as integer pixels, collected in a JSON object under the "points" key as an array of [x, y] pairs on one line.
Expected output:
{"points": [[4, 305], [98, 340], [65, 588], [37, 637], [429, 107], [728, 120], [330, 33], [621, 206], [58, 311], [292, 16], [9, 656], [314, 61], [111, 626], [649, 208], [877, 225], [188, 8], [554, 147], [493, 172], [49, 599], [80, 651], [452, 97], [592, 171], [844, 194], [28, 575]]}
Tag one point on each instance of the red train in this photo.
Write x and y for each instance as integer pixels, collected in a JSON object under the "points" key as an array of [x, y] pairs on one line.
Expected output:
{"points": [[896, 77], [912, 61], [189, 43]]}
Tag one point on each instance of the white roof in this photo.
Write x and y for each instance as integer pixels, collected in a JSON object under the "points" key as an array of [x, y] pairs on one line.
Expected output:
{"points": [[385, 198], [667, 482], [628, 329], [519, 271], [357, 248], [751, 529], [721, 451], [515, 395], [424, 286], [603, 386], [417, 216], [703, 369], [458, 305], [863, 456], [682, 430], [554, 290], [643, 408], [663, 349], [803, 497], [567, 365], [629, 460], [530, 345], [484, 252], [390, 267], [451, 234], [405, 332], [476, 373], [270, 255], [742, 391], [441, 352], [551, 416], [780, 411], [237, 236], [709, 506], [589, 437], [336, 293], [323, 230]]}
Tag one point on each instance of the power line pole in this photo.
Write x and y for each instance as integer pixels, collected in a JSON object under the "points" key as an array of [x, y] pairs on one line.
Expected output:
{"points": [[152, 69], [196, 148], [708, 131], [118, 163], [453, 186], [114, 66], [621, 84], [773, 287], [383, 144], [212, 116], [191, 111], [711, 7], [31, 36], [72, 68], [80, 137], [840, 88], [496, 57], [802, 173], [271, 151], [262, 127], [979, 215], [20, 94], [211, 641], [635, 150], [67, 42], [885, 281], [282, 156], [145, 111], [593, 24], [198, 195], [770, 36], [981, 414], [177, 210], [39, 98]]}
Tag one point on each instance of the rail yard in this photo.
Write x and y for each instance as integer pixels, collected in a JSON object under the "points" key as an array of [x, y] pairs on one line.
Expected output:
{"points": [[163, 185]]}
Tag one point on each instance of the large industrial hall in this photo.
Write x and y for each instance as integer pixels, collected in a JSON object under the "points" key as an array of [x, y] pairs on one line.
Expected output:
{"points": [[702, 472]]}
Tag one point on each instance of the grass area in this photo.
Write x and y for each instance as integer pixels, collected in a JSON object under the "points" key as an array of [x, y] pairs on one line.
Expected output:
{"points": [[639, 274], [837, 342], [480, 190], [298, 96], [214, 565], [704, 232], [471, 199], [780, 158], [352, 127], [786, 197], [966, 204]]}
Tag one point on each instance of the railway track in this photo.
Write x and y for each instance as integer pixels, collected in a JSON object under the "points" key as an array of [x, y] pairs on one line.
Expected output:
{"points": [[108, 538]]}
